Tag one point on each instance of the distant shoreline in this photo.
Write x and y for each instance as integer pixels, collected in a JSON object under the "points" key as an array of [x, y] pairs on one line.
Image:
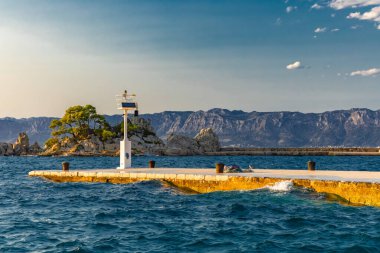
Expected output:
{"points": [[229, 151], [322, 151]]}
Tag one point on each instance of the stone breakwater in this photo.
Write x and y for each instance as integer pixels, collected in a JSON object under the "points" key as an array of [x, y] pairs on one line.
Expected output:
{"points": [[321, 151], [353, 187]]}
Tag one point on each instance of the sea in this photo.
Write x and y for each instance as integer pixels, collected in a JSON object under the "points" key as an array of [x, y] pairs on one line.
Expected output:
{"points": [[37, 215]]}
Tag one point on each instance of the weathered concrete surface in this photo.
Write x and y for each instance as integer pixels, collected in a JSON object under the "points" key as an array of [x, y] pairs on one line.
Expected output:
{"points": [[357, 187]]}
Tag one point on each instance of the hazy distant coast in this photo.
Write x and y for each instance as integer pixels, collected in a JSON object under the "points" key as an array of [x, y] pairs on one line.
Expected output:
{"points": [[340, 128], [320, 151], [205, 143]]}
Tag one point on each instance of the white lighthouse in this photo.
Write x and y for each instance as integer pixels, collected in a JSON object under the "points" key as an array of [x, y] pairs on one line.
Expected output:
{"points": [[126, 102]]}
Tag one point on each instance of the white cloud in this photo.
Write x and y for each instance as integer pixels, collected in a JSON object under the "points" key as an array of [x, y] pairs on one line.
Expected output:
{"points": [[316, 6], [320, 30], [294, 65], [354, 27], [335, 30], [378, 27], [291, 8], [342, 4], [368, 72], [372, 15]]}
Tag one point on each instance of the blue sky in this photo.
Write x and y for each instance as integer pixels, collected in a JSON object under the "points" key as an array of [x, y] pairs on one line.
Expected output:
{"points": [[308, 56]]}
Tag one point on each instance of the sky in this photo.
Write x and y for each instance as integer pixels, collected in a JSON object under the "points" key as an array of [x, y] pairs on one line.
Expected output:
{"points": [[251, 55]]}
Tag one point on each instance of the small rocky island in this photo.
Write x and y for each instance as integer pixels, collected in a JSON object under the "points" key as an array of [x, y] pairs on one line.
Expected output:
{"points": [[83, 132], [20, 147]]}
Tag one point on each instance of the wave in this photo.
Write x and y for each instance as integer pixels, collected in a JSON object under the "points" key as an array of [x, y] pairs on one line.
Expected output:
{"points": [[282, 186]]}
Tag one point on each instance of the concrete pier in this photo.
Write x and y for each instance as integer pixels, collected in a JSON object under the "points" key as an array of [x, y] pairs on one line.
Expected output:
{"points": [[356, 187]]}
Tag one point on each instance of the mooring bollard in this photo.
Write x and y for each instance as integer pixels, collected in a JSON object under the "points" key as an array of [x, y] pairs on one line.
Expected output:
{"points": [[65, 166], [311, 165], [219, 167], [152, 164]]}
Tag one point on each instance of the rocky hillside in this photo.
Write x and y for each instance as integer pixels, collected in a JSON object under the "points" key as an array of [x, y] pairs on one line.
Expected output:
{"points": [[355, 127]]}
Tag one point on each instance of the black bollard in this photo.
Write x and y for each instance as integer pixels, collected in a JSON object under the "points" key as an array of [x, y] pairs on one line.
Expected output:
{"points": [[311, 165], [219, 167], [65, 166], [152, 164]]}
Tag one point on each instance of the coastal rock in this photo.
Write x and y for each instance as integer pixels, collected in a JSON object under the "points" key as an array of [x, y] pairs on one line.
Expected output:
{"points": [[92, 145], [144, 141], [208, 140], [112, 145], [6, 149], [21, 146], [205, 141], [34, 149], [182, 145]]}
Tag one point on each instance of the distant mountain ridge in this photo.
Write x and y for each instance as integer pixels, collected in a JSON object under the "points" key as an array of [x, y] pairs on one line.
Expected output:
{"points": [[37, 128], [354, 127]]}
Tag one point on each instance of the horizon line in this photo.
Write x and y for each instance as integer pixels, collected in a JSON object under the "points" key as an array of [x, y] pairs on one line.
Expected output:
{"points": [[193, 111]]}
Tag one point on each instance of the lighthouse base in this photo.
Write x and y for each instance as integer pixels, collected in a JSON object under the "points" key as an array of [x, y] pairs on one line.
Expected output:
{"points": [[125, 155]]}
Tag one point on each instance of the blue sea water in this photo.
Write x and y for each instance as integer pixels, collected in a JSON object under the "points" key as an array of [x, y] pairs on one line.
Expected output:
{"points": [[41, 216]]}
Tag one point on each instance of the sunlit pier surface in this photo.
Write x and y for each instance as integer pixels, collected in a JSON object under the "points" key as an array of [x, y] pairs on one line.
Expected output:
{"points": [[353, 187]]}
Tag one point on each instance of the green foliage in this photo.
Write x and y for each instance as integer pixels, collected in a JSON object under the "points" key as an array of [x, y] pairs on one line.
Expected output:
{"points": [[132, 127], [119, 129], [51, 142], [79, 122], [82, 122], [107, 135]]}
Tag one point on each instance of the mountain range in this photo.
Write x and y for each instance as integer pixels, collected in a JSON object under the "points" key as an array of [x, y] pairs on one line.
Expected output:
{"points": [[355, 127]]}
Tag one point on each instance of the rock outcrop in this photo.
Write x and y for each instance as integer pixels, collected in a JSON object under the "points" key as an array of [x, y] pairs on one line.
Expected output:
{"points": [[21, 146], [34, 149], [208, 140], [6, 149], [182, 145], [89, 147], [205, 141], [144, 141]]}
